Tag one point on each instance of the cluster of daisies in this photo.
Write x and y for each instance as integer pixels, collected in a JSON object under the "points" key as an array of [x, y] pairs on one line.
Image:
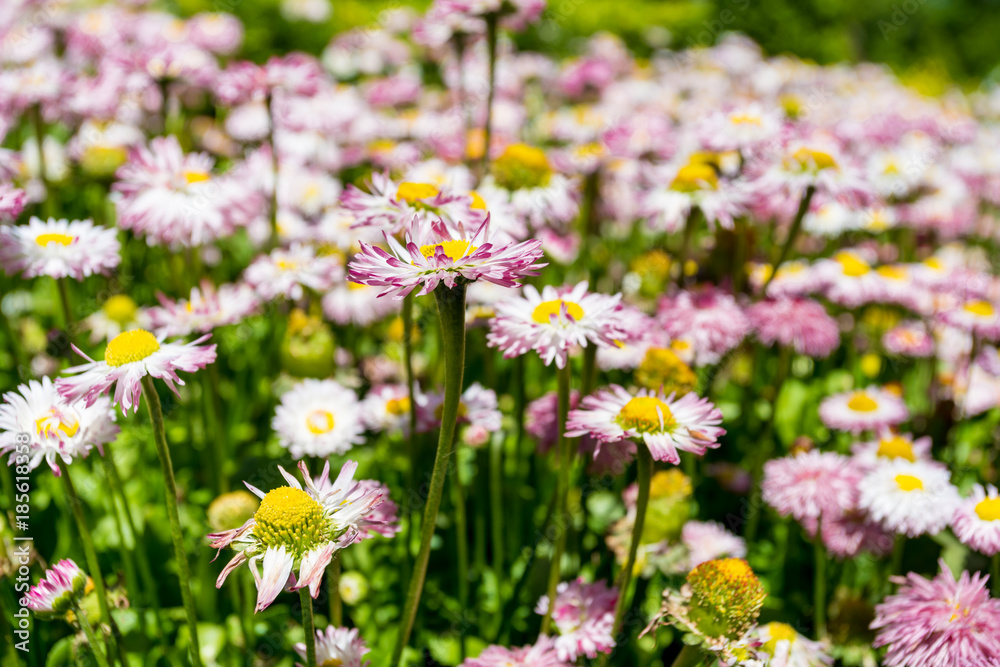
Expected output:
{"points": [[677, 244]]}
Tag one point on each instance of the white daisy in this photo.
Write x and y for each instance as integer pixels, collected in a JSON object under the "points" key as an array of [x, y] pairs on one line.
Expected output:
{"points": [[207, 308], [387, 408], [289, 272], [318, 418], [118, 313], [910, 498], [58, 248], [977, 520], [869, 409]]}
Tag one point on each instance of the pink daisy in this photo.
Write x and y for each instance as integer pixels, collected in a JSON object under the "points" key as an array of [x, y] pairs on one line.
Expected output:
{"points": [[584, 615], [543, 654], [811, 486], [852, 532], [869, 409], [58, 248], [802, 324], [207, 308], [477, 408], [12, 201], [391, 206], [62, 586], [909, 339], [941, 622], [663, 423], [128, 358], [977, 520], [977, 316], [288, 272], [342, 647], [709, 318], [709, 540]]}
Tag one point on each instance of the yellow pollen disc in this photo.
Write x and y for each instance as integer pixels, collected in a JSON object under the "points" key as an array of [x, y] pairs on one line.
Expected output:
{"points": [[455, 249], [545, 310], [477, 201], [643, 414], [528, 156], [398, 406], [120, 308], [808, 158], [694, 177], [44, 425], [667, 483], [62, 239], [744, 119], [896, 447], [319, 422], [287, 265], [933, 263], [980, 308], [130, 346], [862, 402], [779, 632], [892, 272], [522, 167], [852, 265], [412, 193], [196, 176], [909, 483], [291, 518], [989, 509]]}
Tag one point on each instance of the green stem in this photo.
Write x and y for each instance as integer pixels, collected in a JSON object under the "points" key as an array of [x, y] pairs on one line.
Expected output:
{"points": [[644, 461], [740, 228], [793, 233], [13, 344], [88, 630], [462, 548], [565, 462], [177, 536], [497, 507], [682, 253], [995, 574], [451, 313], [688, 657], [214, 438], [39, 127], [308, 626], [819, 585], [333, 591], [589, 380], [492, 21], [275, 237], [64, 300]]}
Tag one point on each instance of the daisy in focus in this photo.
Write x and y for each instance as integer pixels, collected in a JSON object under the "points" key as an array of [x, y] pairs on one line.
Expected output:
{"points": [[584, 615], [910, 498], [58, 249], [435, 253], [298, 529], [58, 430], [554, 321], [664, 424], [318, 418], [58, 591], [128, 358], [977, 520], [870, 409]]}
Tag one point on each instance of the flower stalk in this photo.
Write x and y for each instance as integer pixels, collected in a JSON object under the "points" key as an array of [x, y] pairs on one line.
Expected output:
{"points": [[308, 625], [565, 459], [793, 233], [88, 630], [644, 462]]}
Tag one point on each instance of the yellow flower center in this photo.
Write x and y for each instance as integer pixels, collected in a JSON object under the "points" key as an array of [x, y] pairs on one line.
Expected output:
{"points": [[892, 272], [813, 160], [129, 347], [661, 367], [909, 483], [545, 310], [455, 249], [744, 119], [287, 264], [291, 518], [726, 597], [862, 402], [896, 447], [413, 193], [192, 176], [988, 509], [933, 263], [52, 422], [62, 239], [120, 308], [477, 201], [694, 177], [669, 483], [779, 632], [319, 422], [979, 308], [645, 414], [398, 406], [852, 265], [522, 167]]}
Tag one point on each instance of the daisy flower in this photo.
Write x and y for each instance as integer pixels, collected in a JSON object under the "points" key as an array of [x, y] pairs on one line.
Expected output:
{"points": [[118, 313], [289, 272], [58, 248], [663, 423], [298, 529], [318, 418], [56, 429], [977, 520], [436, 253], [787, 648], [342, 647], [61, 587], [802, 324], [811, 486], [391, 206], [523, 176], [794, 278], [543, 654], [939, 622], [869, 409], [477, 408], [977, 316], [910, 498], [383, 519], [12, 202], [849, 280], [709, 540], [584, 615], [890, 446], [387, 408], [208, 307], [909, 339], [128, 358], [354, 303], [708, 318], [668, 205], [852, 532], [554, 321]]}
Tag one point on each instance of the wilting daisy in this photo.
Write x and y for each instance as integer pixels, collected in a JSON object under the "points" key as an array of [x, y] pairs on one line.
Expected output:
{"points": [[939, 622], [296, 529], [811, 486], [869, 409], [584, 615], [909, 339], [890, 446], [383, 519], [437, 253], [57, 430], [910, 498], [663, 423], [977, 520], [341, 647], [60, 589], [128, 358], [543, 654], [289, 272], [58, 248], [787, 648], [318, 418], [801, 324], [208, 307], [708, 318], [977, 316], [554, 321]]}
